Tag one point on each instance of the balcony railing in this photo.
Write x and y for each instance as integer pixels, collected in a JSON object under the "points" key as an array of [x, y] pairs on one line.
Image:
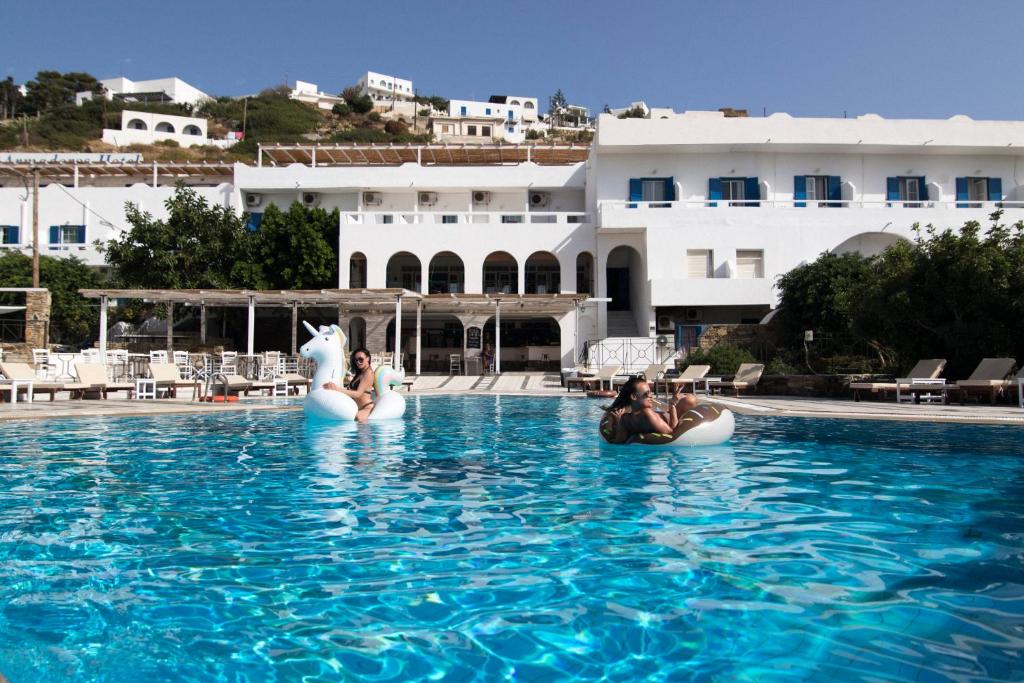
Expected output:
{"points": [[462, 217], [613, 204]]}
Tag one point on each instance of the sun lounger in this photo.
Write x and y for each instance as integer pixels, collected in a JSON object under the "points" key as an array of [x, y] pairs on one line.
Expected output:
{"points": [[746, 377], [1020, 388], [168, 376], [990, 378], [653, 373], [692, 376], [295, 381], [928, 369], [25, 372], [92, 377], [603, 375], [234, 384]]}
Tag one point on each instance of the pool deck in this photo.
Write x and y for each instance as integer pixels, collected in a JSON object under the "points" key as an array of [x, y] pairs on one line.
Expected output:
{"points": [[533, 384]]}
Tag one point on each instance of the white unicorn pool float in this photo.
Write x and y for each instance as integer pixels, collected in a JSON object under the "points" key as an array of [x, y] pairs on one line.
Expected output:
{"points": [[327, 348]]}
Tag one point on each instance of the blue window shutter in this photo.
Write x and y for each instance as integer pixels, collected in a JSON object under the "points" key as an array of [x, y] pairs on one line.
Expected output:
{"points": [[961, 192], [892, 189], [714, 190], [835, 190], [995, 189], [253, 224], [80, 234], [922, 188], [13, 236], [799, 190], [462, 111], [751, 190], [670, 189], [487, 111], [54, 234], [636, 191]]}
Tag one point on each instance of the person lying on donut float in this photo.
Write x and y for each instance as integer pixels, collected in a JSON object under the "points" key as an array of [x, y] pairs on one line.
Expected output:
{"points": [[642, 417]]}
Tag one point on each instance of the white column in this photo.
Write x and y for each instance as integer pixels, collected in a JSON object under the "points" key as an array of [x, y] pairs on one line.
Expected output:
{"points": [[295, 327], [576, 335], [251, 328], [103, 329], [497, 337], [156, 175], [398, 333], [419, 334], [202, 324], [76, 175]]}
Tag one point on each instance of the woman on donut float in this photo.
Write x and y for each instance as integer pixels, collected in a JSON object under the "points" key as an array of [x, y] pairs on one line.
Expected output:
{"points": [[359, 384], [683, 422]]}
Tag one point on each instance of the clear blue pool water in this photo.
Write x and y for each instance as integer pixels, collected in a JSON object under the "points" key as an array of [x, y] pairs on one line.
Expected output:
{"points": [[492, 538]]}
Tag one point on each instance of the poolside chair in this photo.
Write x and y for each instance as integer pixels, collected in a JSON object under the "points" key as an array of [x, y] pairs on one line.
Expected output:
{"points": [[92, 377], [652, 373], [158, 356], [44, 363], [603, 375], [692, 376], [990, 378], [295, 380], [1020, 388], [746, 377], [25, 372], [168, 377], [928, 369], [231, 384]]}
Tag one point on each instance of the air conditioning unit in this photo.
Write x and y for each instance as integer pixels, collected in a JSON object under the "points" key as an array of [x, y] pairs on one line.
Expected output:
{"points": [[252, 199], [539, 199], [428, 198], [693, 315], [665, 322], [372, 198], [310, 199], [481, 198]]}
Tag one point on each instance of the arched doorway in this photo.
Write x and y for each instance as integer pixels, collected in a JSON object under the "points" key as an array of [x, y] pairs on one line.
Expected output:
{"points": [[357, 271], [441, 336], [191, 129], [625, 277], [501, 274], [585, 273], [543, 274], [446, 274], [137, 124], [405, 271], [164, 127]]}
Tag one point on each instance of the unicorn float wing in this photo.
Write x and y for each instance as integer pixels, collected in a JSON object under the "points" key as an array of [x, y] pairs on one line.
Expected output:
{"points": [[327, 348]]}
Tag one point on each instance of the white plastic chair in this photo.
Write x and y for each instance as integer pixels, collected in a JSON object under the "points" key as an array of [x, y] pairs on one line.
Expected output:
{"points": [[271, 366], [157, 356], [228, 363], [454, 364], [43, 362], [184, 363]]}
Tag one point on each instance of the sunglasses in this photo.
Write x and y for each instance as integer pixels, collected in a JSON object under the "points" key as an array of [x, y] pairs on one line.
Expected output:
{"points": [[646, 394], [361, 359]]}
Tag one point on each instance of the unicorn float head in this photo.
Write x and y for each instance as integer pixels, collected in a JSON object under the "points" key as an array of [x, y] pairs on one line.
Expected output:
{"points": [[327, 348]]}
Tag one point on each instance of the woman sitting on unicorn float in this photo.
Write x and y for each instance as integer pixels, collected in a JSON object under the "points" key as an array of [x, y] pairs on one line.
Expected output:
{"points": [[334, 398]]}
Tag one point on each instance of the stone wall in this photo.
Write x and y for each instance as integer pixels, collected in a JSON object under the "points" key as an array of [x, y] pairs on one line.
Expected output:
{"points": [[37, 319], [746, 335]]}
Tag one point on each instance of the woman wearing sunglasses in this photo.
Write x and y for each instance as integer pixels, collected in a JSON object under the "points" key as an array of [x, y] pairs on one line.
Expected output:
{"points": [[359, 384], [642, 418]]}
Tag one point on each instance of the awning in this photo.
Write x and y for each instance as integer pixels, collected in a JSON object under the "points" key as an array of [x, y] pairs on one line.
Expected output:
{"points": [[426, 155]]}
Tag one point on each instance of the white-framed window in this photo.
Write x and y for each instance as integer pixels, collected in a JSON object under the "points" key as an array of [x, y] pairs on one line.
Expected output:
{"points": [[513, 218], [977, 189], [699, 263], [732, 190], [749, 263], [910, 190], [470, 130], [817, 188], [387, 219], [449, 218], [485, 131], [446, 128], [653, 190]]}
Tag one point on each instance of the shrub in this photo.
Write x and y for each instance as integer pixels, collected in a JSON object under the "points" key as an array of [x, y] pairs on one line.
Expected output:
{"points": [[373, 116], [424, 112], [395, 128], [167, 143], [534, 134], [341, 109], [724, 359]]}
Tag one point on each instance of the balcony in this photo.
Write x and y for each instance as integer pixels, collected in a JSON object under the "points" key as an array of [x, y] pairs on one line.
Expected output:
{"points": [[463, 218], [620, 214]]}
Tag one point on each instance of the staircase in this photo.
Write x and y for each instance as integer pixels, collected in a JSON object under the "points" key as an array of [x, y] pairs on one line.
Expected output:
{"points": [[621, 324]]}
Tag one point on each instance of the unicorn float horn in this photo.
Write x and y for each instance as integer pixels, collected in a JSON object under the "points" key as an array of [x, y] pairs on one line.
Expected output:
{"points": [[310, 328]]}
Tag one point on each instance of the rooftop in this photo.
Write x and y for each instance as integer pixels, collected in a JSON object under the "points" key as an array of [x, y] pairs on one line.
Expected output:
{"points": [[425, 155]]}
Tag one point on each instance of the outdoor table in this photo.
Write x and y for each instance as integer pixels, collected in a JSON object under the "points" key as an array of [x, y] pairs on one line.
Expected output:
{"points": [[137, 363], [66, 361], [706, 381], [14, 385]]}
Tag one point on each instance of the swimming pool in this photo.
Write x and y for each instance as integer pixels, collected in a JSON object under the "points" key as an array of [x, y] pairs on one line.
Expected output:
{"points": [[492, 537]]}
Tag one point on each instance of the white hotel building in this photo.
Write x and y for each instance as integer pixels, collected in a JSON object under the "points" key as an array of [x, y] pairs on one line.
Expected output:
{"points": [[682, 223]]}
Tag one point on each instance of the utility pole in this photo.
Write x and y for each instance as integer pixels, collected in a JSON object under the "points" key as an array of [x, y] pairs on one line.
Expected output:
{"points": [[245, 110], [35, 227]]}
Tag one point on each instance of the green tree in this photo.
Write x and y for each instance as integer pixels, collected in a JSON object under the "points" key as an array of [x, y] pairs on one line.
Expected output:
{"points": [[297, 249], [11, 99], [73, 318], [52, 89], [822, 296], [198, 245], [360, 104]]}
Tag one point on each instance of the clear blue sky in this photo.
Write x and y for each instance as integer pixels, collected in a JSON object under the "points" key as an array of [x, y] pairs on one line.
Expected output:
{"points": [[897, 58]]}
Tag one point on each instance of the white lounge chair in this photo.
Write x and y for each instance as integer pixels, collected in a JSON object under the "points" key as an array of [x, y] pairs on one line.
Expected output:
{"points": [[693, 376], [746, 377], [652, 373], [93, 378], [990, 378], [23, 372], [603, 375], [928, 369], [167, 376]]}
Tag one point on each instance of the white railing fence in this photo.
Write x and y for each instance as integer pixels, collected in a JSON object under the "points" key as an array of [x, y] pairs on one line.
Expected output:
{"points": [[634, 354]]}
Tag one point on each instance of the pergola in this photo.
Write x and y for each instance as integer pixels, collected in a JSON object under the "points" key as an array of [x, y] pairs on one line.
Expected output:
{"points": [[356, 298], [425, 155], [71, 171]]}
